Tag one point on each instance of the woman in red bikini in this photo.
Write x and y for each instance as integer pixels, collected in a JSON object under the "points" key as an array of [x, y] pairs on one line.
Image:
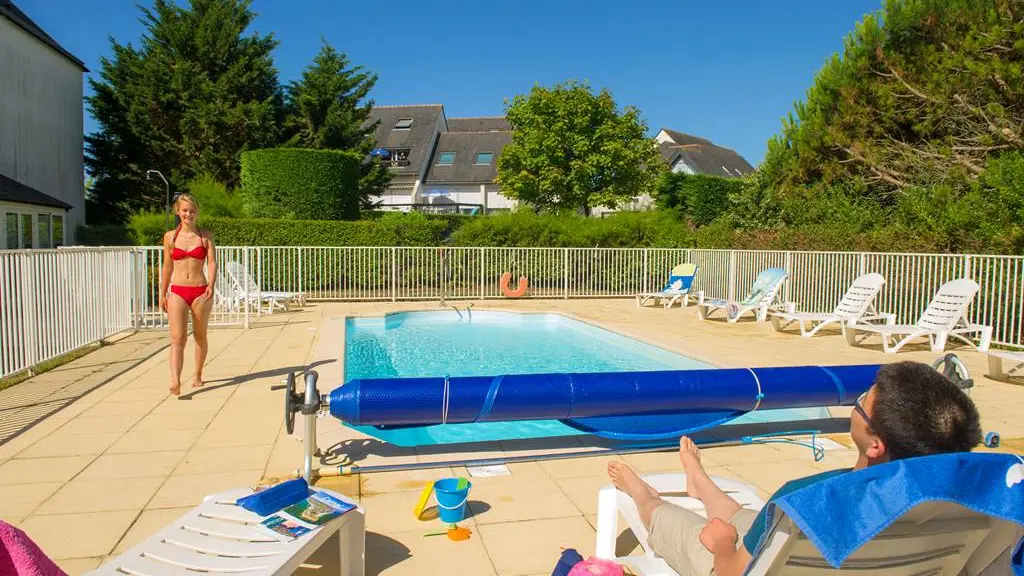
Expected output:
{"points": [[186, 250]]}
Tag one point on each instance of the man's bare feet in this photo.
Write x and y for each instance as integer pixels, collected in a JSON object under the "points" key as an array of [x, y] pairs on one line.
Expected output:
{"points": [[198, 382], [689, 456], [625, 479], [176, 389]]}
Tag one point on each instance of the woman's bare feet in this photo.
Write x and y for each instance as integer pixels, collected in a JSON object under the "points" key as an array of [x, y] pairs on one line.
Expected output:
{"points": [[176, 389], [689, 456], [197, 382], [625, 479]]}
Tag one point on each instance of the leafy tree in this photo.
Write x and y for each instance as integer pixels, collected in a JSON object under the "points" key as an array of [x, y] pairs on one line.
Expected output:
{"points": [[328, 109], [922, 100], [194, 94], [572, 149]]}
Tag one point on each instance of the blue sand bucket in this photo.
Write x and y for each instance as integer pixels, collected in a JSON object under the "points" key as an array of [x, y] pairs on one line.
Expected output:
{"points": [[451, 500]]}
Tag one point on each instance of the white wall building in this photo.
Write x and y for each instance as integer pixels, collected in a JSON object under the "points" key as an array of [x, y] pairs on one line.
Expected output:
{"points": [[42, 189]]}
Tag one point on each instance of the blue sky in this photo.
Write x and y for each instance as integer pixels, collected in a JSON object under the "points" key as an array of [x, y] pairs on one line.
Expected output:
{"points": [[727, 70]]}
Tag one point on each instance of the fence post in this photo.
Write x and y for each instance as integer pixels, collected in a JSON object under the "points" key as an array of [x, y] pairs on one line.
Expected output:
{"points": [[863, 264], [133, 306], [245, 289], [968, 272], [298, 281], [647, 272], [788, 267], [104, 295], [394, 273], [27, 307], [565, 273], [731, 288], [483, 281]]}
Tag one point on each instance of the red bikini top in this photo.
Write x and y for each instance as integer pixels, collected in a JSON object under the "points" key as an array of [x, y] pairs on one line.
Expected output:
{"points": [[199, 252]]}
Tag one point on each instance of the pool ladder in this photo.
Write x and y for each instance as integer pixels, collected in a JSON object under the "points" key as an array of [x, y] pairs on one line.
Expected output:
{"points": [[469, 309]]}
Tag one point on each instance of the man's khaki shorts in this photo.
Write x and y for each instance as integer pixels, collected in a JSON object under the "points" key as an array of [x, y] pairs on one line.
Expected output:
{"points": [[675, 536]]}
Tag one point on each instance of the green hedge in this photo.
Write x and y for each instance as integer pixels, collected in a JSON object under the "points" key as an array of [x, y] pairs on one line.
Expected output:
{"points": [[392, 229], [105, 235], [619, 230], [301, 184], [700, 197]]}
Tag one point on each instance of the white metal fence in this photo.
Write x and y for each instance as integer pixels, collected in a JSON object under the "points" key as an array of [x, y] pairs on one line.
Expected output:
{"points": [[57, 300]]}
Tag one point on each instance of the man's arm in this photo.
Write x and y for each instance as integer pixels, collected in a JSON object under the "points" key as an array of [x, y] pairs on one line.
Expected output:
{"points": [[720, 538]]}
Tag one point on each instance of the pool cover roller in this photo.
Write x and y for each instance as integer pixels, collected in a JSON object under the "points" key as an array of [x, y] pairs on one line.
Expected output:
{"points": [[621, 405]]}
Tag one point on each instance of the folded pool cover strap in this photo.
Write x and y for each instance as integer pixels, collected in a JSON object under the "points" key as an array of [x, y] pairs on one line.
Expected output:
{"points": [[595, 401]]}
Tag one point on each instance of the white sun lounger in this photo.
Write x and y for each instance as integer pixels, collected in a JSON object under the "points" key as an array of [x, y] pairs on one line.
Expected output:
{"points": [[760, 300], [945, 317], [995, 363], [245, 287], [672, 486], [218, 537], [857, 305], [918, 528]]}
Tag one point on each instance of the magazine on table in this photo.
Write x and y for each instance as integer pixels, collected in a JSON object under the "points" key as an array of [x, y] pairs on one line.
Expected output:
{"points": [[304, 516]]}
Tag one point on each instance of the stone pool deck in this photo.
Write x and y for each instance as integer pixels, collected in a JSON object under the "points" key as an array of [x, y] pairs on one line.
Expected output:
{"points": [[96, 455]]}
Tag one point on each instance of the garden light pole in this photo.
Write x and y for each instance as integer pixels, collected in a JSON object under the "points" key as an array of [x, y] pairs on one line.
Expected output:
{"points": [[167, 208]]}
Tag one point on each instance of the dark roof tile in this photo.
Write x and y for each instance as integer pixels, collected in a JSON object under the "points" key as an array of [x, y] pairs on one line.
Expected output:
{"points": [[466, 145], [481, 124], [13, 191], [418, 138]]}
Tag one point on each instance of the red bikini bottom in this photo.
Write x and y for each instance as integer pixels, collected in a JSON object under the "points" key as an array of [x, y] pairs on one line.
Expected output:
{"points": [[188, 293]]}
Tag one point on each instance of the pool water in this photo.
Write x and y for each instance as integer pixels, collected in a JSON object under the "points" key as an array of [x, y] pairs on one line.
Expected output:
{"points": [[485, 343]]}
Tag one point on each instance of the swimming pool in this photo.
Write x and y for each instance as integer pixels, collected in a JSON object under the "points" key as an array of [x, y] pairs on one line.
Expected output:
{"points": [[489, 343]]}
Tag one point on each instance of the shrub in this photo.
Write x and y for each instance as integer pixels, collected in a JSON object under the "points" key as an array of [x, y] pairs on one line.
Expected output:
{"points": [[619, 230], [394, 229], [148, 228], [700, 197], [104, 235], [301, 184], [214, 198]]}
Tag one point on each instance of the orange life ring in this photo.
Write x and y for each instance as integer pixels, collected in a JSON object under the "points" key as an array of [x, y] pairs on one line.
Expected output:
{"points": [[508, 292]]}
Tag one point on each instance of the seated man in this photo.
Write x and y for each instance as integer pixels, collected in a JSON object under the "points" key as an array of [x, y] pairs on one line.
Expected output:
{"points": [[910, 410]]}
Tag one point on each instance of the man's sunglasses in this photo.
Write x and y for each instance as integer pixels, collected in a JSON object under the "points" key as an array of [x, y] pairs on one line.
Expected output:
{"points": [[858, 405]]}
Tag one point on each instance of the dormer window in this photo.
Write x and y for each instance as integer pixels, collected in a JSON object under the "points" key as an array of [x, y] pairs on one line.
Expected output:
{"points": [[446, 158], [403, 124], [484, 158]]}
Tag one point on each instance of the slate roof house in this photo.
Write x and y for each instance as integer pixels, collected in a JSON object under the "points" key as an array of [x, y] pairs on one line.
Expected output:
{"points": [[42, 189], [451, 163], [438, 161], [694, 155]]}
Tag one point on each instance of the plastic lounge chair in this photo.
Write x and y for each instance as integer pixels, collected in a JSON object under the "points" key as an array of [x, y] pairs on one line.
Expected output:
{"points": [[945, 317], [611, 503], [218, 537], [245, 286], [676, 289], [958, 514], [857, 305], [760, 300], [995, 362]]}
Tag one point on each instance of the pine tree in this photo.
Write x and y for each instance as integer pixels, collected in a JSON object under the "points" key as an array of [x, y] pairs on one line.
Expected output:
{"points": [[328, 109], [196, 93]]}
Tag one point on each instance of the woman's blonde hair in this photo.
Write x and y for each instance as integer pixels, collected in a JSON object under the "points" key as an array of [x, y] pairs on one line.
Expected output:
{"points": [[186, 197]]}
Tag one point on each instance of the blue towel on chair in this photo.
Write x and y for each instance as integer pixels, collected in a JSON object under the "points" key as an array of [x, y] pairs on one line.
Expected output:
{"points": [[841, 514]]}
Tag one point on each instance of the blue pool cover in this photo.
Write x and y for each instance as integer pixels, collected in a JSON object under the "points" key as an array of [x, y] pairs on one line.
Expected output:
{"points": [[621, 405]]}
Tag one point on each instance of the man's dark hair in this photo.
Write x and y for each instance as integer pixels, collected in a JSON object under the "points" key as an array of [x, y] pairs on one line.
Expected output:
{"points": [[917, 411]]}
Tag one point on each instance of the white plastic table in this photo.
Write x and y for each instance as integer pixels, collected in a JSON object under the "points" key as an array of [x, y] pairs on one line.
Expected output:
{"points": [[219, 537]]}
